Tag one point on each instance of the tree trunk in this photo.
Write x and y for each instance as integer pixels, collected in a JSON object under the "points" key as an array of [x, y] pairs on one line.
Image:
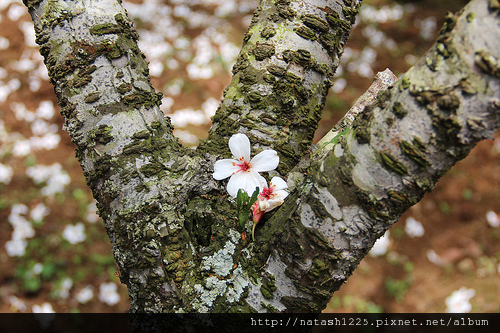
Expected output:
{"points": [[174, 229]]}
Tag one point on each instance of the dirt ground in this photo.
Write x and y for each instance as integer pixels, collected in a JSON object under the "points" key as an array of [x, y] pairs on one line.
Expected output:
{"points": [[408, 278]]}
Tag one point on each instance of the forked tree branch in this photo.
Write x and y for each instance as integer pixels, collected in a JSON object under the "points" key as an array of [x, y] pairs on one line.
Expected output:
{"points": [[173, 228]]}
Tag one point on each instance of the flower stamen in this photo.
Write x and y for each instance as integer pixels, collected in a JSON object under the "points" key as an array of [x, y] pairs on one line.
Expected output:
{"points": [[245, 166]]}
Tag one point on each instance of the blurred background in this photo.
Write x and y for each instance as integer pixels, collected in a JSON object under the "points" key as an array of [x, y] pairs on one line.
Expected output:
{"points": [[443, 254]]}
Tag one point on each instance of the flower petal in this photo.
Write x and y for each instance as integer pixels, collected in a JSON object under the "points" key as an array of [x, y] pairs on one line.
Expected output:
{"points": [[257, 181], [224, 168], [240, 146], [263, 182], [247, 181], [280, 195], [266, 160], [263, 205], [271, 204], [278, 183]]}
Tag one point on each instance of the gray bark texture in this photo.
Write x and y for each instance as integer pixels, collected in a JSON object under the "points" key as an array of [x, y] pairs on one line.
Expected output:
{"points": [[174, 229]]}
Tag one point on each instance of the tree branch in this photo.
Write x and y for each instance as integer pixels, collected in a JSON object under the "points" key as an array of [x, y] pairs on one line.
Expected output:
{"points": [[175, 238], [135, 167], [361, 182], [382, 81], [281, 78]]}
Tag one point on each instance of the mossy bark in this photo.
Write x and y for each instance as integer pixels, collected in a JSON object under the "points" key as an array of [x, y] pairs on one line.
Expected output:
{"points": [[282, 75], [174, 229]]}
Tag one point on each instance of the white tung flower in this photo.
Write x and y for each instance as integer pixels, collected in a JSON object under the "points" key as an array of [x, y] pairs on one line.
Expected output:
{"points": [[244, 172], [16, 304], [22, 230], [45, 319], [414, 228], [44, 308], [63, 291], [459, 300], [92, 216], [85, 295], [39, 212], [6, 174], [16, 247], [19, 209], [108, 294], [74, 234], [37, 268], [435, 258], [46, 110], [381, 245], [271, 196], [493, 219]]}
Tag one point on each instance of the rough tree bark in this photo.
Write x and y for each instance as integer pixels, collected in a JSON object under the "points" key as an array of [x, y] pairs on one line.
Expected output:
{"points": [[174, 228]]}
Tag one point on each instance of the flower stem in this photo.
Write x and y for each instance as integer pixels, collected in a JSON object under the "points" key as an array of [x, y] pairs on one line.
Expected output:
{"points": [[253, 230]]}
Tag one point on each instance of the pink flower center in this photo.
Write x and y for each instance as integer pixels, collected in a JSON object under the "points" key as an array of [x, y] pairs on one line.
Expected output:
{"points": [[244, 166], [267, 193]]}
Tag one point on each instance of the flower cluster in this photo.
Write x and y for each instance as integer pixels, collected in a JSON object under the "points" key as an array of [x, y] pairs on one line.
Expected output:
{"points": [[23, 227], [244, 173], [54, 176]]}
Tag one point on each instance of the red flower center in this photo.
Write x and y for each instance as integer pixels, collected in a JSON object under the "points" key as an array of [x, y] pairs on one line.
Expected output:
{"points": [[267, 193], [245, 166]]}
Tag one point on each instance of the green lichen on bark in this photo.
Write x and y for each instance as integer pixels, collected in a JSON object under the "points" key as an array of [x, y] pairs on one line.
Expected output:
{"points": [[488, 63], [106, 28], [315, 23], [336, 22], [268, 32], [263, 51], [494, 5], [268, 286], [305, 32], [361, 125], [416, 150], [55, 12], [92, 97], [391, 162], [399, 110], [101, 135]]}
